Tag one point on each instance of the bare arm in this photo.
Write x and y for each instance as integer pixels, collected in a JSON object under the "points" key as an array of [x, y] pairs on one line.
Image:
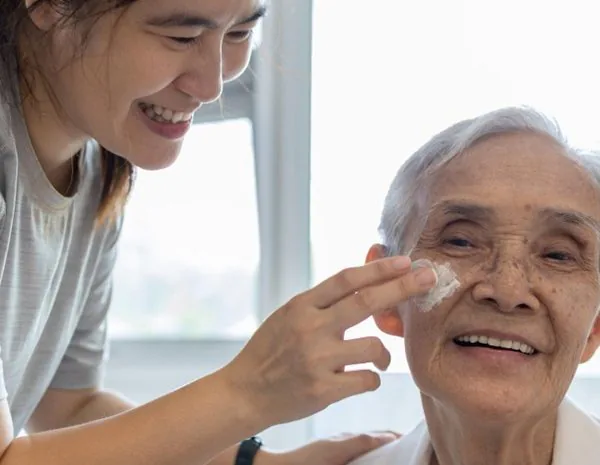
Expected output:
{"points": [[61, 408], [174, 429]]}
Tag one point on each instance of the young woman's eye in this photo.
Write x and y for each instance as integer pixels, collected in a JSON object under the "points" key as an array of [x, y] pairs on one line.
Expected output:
{"points": [[185, 40], [239, 36]]}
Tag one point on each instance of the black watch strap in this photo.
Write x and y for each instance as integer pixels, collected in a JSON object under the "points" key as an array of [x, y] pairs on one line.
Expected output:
{"points": [[247, 451]]}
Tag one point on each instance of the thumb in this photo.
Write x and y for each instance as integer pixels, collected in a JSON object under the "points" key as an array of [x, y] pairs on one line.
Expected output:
{"points": [[357, 445]]}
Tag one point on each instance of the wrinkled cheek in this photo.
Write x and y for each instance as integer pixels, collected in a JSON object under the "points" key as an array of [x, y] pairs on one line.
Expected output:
{"points": [[581, 308], [572, 326], [416, 356], [426, 364], [422, 336]]}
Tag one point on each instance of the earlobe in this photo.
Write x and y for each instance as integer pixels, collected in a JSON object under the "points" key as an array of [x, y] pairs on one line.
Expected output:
{"points": [[593, 342], [390, 322]]}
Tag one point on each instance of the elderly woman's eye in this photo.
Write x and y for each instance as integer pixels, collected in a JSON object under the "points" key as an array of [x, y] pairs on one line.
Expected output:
{"points": [[458, 242], [559, 256]]}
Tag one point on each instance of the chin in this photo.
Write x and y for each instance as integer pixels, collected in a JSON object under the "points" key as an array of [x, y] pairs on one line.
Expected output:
{"points": [[154, 158], [154, 164], [495, 408], [485, 400]]}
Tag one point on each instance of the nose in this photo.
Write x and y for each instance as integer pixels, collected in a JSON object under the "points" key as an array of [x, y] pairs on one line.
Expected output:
{"points": [[507, 287], [203, 77]]}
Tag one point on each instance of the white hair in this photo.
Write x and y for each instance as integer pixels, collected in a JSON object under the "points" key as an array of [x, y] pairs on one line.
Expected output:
{"points": [[402, 220]]}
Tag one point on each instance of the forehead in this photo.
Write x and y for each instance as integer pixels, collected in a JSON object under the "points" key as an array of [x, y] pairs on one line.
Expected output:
{"points": [[515, 173]]}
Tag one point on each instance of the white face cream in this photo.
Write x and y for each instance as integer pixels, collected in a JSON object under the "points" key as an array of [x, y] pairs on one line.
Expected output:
{"points": [[447, 284]]}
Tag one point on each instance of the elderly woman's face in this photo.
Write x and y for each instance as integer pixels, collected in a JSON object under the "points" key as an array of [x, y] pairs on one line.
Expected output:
{"points": [[515, 219]]}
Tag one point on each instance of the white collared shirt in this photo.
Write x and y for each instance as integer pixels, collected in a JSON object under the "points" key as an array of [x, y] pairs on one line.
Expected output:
{"points": [[577, 442]]}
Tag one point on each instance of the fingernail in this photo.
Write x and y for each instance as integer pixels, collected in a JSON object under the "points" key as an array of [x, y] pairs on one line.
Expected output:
{"points": [[425, 277], [401, 263], [386, 438]]}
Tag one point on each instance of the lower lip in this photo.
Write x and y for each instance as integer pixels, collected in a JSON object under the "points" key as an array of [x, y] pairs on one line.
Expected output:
{"points": [[495, 357], [171, 131]]}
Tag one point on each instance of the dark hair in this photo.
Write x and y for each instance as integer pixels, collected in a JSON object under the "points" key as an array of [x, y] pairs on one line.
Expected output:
{"points": [[117, 172]]}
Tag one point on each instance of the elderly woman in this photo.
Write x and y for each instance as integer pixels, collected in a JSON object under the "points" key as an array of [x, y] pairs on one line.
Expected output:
{"points": [[509, 207]]}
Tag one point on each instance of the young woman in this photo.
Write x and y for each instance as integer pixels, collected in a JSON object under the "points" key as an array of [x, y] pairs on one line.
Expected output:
{"points": [[90, 90]]}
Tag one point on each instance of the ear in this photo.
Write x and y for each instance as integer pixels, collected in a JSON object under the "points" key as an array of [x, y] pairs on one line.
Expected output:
{"points": [[388, 321], [593, 342], [376, 252], [42, 14]]}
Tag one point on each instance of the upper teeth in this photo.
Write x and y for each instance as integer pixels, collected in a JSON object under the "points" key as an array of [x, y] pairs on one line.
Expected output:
{"points": [[166, 113], [503, 343]]}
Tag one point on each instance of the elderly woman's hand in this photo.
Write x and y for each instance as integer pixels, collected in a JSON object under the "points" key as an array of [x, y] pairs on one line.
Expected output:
{"points": [[294, 365], [337, 450]]}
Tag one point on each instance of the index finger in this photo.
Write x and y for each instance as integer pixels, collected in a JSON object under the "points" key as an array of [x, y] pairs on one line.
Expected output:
{"points": [[359, 306], [350, 280]]}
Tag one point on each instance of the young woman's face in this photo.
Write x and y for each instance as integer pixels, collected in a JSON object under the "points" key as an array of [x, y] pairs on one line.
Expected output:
{"points": [[145, 70]]}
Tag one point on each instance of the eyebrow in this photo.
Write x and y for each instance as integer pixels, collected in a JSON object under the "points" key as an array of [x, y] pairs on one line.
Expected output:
{"points": [[571, 217], [185, 19], [464, 210]]}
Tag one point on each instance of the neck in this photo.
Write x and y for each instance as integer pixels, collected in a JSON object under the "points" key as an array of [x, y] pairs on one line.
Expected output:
{"points": [[458, 440], [56, 142]]}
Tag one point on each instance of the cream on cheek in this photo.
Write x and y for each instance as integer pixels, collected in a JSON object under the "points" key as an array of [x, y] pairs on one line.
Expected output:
{"points": [[446, 285]]}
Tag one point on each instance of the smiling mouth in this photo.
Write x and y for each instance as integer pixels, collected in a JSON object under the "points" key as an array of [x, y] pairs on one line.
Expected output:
{"points": [[495, 344], [164, 115]]}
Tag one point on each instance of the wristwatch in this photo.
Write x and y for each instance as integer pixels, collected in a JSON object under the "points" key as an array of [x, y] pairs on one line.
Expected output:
{"points": [[247, 450]]}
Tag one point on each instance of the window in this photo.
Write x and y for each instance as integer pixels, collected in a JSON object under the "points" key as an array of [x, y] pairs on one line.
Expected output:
{"points": [[410, 70], [189, 255]]}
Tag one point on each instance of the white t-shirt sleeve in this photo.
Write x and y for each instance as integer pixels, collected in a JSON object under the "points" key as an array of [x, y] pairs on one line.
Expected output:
{"points": [[83, 364]]}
